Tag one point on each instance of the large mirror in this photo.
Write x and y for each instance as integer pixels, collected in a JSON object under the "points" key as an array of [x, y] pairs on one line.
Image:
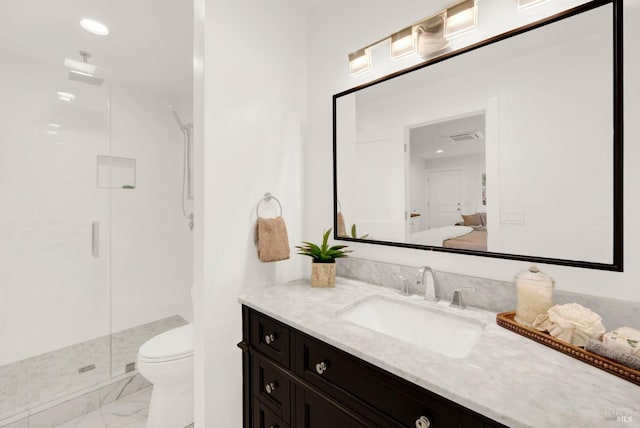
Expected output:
{"points": [[510, 148]]}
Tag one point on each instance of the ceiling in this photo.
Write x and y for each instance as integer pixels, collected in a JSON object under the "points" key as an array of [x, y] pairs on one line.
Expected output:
{"points": [[150, 45], [426, 140]]}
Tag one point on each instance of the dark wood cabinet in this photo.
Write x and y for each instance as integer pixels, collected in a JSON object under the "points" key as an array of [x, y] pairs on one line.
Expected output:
{"points": [[313, 411], [294, 380]]}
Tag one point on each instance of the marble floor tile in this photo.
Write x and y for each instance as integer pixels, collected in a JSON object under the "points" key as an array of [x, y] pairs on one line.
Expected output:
{"points": [[90, 420], [128, 412]]}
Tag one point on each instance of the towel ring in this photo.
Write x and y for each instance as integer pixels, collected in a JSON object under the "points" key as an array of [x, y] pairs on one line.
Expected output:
{"points": [[268, 197]]}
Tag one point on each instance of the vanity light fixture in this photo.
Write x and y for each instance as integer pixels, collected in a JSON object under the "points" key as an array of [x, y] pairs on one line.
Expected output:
{"points": [[360, 61], [53, 125], [65, 96], [50, 132], [526, 4], [430, 33], [403, 43], [461, 18], [439, 151], [95, 27]]}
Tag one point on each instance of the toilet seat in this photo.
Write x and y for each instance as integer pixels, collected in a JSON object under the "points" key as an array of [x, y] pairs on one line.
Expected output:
{"points": [[172, 345]]}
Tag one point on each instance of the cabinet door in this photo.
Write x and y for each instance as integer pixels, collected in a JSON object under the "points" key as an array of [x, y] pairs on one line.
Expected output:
{"points": [[265, 418], [313, 411]]}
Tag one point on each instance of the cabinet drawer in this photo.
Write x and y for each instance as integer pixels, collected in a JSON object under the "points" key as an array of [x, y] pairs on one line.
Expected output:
{"points": [[265, 418], [271, 338], [272, 387], [347, 378]]}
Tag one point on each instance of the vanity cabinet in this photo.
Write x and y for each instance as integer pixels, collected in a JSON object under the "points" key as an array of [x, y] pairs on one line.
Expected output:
{"points": [[292, 380]]}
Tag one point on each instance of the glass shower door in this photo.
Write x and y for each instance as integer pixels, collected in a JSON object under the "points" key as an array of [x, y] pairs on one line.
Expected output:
{"points": [[54, 232]]}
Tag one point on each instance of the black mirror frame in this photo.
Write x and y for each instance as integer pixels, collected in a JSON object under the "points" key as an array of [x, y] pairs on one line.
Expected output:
{"points": [[618, 129]]}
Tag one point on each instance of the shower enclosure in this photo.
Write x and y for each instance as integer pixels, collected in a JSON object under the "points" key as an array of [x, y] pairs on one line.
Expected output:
{"points": [[95, 253]]}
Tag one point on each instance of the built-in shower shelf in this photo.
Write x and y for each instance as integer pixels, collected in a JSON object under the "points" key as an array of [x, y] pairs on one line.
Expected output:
{"points": [[116, 172]]}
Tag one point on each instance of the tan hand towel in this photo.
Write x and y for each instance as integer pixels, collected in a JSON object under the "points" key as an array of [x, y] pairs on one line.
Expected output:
{"points": [[342, 230], [272, 239]]}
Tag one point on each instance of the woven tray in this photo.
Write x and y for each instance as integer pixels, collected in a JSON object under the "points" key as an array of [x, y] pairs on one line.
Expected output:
{"points": [[506, 320]]}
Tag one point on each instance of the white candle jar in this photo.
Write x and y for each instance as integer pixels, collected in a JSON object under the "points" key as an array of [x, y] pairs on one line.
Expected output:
{"points": [[535, 295]]}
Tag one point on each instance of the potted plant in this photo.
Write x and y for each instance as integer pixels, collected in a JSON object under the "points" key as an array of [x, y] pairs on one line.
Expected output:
{"points": [[323, 266]]}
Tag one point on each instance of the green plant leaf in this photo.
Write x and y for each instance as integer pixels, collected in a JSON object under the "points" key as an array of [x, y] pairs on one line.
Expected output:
{"points": [[323, 252], [325, 240]]}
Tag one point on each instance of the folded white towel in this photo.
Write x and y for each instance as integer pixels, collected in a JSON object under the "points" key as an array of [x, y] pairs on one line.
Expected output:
{"points": [[624, 339]]}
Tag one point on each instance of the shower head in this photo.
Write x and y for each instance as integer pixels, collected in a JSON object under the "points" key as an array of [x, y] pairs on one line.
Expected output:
{"points": [[177, 117], [82, 77], [82, 71]]}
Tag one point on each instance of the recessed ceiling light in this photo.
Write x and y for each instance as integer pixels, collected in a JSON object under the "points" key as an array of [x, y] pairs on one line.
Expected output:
{"points": [[94, 27], [440, 151]]}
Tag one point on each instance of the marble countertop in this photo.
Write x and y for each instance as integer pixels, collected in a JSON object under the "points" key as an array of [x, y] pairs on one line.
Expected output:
{"points": [[505, 377]]}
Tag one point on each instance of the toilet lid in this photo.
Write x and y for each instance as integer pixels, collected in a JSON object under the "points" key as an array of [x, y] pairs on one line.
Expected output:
{"points": [[170, 345]]}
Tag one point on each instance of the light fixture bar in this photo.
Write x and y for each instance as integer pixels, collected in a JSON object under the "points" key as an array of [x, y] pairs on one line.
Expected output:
{"points": [[360, 61], [428, 37], [461, 18], [403, 43]]}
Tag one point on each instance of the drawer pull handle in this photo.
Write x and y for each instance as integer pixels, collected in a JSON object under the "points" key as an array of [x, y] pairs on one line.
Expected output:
{"points": [[270, 338], [321, 367], [423, 422], [270, 387]]}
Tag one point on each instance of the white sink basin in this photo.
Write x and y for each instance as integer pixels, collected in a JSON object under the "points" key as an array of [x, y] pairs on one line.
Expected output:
{"points": [[433, 329]]}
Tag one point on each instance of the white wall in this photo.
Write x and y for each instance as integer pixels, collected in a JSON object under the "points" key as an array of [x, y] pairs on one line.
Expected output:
{"points": [[254, 114], [51, 288], [418, 193], [328, 74]]}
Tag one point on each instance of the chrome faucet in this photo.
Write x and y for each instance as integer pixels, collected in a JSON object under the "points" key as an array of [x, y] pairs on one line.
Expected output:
{"points": [[405, 290], [456, 301], [428, 279]]}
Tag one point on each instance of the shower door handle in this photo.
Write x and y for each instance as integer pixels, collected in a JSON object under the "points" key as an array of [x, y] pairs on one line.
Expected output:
{"points": [[95, 239]]}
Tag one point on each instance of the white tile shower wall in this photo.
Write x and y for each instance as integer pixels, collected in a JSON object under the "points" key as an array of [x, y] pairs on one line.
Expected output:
{"points": [[254, 103], [51, 288], [152, 247], [328, 74], [53, 293]]}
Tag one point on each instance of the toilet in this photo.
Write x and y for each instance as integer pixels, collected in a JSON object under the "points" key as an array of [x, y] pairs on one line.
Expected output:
{"points": [[166, 361]]}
